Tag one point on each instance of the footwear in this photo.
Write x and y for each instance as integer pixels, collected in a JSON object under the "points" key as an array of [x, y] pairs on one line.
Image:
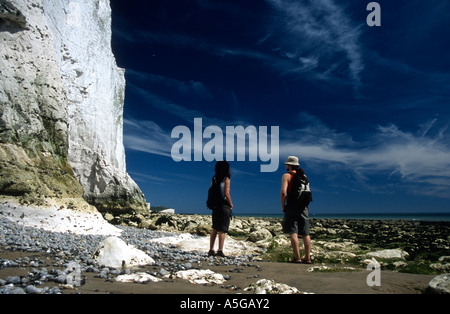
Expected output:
{"points": [[211, 253], [220, 254], [304, 261], [296, 261]]}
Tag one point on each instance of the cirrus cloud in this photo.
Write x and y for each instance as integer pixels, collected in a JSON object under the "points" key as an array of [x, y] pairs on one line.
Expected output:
{"points": [[417, 161]]}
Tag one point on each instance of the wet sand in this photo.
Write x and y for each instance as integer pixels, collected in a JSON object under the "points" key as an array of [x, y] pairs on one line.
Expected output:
{"points": [[292, 275]]}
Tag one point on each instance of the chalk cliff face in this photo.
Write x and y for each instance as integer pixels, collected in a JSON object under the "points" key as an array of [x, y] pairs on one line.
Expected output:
{"points": [[61, 104]]}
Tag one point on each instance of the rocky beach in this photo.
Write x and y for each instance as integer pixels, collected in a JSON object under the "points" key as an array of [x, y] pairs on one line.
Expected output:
{"points": [[73, 221], [34, 260]]}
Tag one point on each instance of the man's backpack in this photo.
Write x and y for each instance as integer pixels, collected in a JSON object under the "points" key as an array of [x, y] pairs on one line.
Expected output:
{"points": [[299, 195], [215, 199]]}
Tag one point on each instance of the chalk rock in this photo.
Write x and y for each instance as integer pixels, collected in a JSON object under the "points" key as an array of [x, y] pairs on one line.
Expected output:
{"points": [[61, 104], [137, 278], [114, 252], [266, 286], [95, 88], [201, 277], [389, 254], [33, 107], [443, 264], [53, 218], [439, 284], [260, 235]]}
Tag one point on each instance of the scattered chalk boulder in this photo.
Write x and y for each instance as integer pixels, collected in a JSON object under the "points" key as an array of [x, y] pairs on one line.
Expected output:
{"points": [[168, 211], [114, 252], [439, 285], [137, 278], [260, 235], [389, 254], [201, 276], [266, 286]]}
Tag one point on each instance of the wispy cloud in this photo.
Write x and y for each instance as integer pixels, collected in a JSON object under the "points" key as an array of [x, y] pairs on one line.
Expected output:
{"points": [[313, 39], [177, 110], [416, 161], [164, 104], [189, 88], [142, 177], [319, 36], [146, 136]]}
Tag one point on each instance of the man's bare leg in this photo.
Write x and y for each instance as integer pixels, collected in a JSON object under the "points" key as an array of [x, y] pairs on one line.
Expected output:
{"points": [[295, 246], [307, 244]]}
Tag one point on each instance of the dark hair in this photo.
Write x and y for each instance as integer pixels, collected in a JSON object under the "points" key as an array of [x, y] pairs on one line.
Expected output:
{"points": [[222, 170], [299, 170]]}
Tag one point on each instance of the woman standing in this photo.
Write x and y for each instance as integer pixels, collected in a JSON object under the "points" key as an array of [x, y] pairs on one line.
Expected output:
{"points": [[221, 215]]}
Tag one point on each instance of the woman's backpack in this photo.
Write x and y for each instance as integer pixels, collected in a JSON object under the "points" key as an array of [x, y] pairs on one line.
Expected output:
{"points": [[215, 198]]}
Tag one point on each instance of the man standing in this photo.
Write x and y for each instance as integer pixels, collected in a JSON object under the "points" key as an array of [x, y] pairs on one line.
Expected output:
{"points": [[296, 220]]}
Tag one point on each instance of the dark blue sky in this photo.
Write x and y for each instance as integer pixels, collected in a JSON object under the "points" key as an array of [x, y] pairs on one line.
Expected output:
{"points": [[366, 109]]}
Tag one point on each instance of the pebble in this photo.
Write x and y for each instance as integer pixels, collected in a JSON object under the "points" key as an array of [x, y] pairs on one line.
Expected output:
{"points": [[13, 280], [68, 247], [34, 290], [11, 289]]}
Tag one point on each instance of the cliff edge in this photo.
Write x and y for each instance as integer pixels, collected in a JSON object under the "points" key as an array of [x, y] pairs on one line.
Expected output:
{"points": [[61, 106]]}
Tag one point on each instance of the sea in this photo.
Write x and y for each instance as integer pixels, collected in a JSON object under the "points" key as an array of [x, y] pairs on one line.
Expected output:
{"points": [[367, 216]]}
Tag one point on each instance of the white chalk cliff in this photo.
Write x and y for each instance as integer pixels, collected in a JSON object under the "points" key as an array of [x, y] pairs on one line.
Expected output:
{"points": [[61, 104]]}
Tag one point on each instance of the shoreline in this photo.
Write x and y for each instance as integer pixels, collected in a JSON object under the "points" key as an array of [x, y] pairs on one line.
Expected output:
{"points": [[421, 217]]}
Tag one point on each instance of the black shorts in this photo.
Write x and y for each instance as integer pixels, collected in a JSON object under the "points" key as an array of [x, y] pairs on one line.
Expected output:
{"points": [[296, 221], [221, 218]]}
